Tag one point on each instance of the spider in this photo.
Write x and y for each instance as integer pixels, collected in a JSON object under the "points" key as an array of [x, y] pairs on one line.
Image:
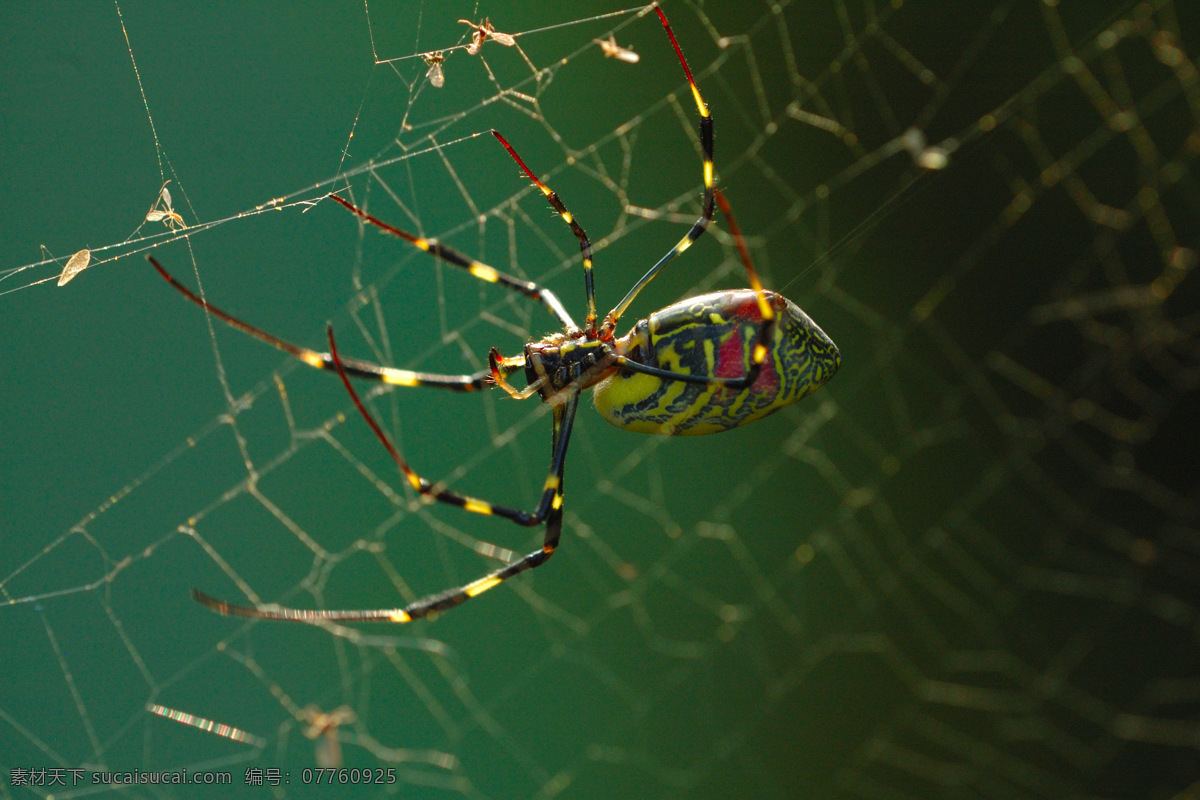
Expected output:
{"points": [[703, 365]]}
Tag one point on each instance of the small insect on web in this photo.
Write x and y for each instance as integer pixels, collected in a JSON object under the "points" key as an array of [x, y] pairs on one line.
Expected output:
{"points": [[484, 31], [162, 211], [322, 728], [611, 49], [435, 75], [703, 365], [75, 265]]}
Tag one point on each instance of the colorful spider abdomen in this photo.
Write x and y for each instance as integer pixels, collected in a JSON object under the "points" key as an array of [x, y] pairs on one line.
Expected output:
{"points": [[714, 336]]}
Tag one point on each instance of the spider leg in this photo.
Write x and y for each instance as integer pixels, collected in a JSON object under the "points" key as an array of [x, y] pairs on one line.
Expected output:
{"points": [[549, 511], [666, 374], [698, 228], [477, 268], [503, 367], [353, 366], [585, 244], [765, 330]]}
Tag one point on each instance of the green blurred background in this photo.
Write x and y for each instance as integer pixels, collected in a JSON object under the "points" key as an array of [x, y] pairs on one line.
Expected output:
{"points": [[966, 568]]}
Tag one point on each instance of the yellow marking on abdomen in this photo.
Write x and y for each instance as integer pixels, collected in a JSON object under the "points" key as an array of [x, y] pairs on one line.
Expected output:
{"points": [[401, 378], [400, 616]]}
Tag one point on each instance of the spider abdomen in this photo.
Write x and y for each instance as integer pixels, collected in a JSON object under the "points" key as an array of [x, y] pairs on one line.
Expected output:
{"points": [[714, 336]]}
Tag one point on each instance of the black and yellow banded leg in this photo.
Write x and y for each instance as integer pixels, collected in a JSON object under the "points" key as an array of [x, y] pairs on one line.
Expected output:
{"points": [[314, 358], [706, 215], [549, 511], [585, 244], [766, 328], [477, 268]]}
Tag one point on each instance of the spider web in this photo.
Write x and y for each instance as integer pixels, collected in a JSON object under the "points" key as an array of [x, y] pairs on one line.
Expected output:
{"points": [[968, 567]]}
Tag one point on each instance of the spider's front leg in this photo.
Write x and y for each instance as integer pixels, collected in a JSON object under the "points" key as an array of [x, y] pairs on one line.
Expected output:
{"points": [[314, 358]]}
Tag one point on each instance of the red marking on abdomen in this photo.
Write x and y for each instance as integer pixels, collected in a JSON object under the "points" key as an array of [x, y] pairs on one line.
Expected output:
{"points": [[730, 359], [749, 311], [731, 363]]}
